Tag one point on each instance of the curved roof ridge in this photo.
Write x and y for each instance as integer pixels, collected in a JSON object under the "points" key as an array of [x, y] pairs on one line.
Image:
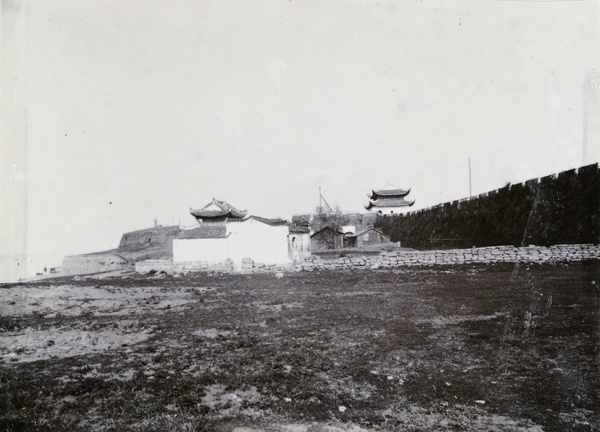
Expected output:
{"points": [[224, 209], [389, 190], [389, 202]]}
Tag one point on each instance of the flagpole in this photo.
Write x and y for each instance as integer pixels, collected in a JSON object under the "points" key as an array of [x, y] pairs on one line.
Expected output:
{"points": [[470, 194]]}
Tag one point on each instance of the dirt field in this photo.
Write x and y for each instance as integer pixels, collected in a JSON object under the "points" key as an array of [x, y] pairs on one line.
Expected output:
{"points": [[478, 348]]}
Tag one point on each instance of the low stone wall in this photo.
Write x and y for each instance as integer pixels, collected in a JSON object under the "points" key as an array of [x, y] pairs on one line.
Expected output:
{"points": [[155, 265], [492, 254], [168, 266]]}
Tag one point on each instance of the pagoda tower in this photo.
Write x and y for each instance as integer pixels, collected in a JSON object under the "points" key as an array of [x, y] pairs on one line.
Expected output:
{"points": [[217, 213], [389, 200]]}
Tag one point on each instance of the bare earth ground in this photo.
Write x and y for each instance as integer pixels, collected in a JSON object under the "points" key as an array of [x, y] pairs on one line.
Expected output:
{"points": [[478, 348]]}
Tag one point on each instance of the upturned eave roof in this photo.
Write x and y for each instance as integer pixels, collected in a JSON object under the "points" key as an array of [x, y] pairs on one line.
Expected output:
{"points": [[388, 191], [224, 209], [388, 202]]}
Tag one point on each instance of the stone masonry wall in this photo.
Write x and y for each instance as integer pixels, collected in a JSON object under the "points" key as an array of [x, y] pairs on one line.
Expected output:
{"points": [[168, 266], [488, 255], [491, 254], [551, 210]]}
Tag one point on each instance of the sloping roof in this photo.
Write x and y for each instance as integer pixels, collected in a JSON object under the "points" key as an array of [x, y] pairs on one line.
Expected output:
{"points": [[367, 230], [299, 229], [326, 229], [267, 221], [389, 191], [223, 209], [388, 202], [272, 222], [205, 232]]}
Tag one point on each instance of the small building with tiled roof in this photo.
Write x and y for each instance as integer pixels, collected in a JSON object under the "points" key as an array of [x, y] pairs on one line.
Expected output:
{"points": [[389, 200], [327, 238], [365, 237], [226, 234]]}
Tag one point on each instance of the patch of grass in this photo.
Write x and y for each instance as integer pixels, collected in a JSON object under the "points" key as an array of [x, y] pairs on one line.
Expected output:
{"points": [[451, 348]]}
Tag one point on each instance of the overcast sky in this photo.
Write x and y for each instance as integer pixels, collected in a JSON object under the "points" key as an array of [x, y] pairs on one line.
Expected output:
{"points": [[138, 110]]}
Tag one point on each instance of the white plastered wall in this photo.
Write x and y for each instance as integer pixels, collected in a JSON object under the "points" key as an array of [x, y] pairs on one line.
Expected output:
{"points": [[298, 246], [195, 250], [249, 239], [261, 242]]}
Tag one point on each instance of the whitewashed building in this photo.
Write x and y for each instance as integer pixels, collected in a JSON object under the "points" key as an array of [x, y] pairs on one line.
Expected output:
{"points": [[226, 234]]}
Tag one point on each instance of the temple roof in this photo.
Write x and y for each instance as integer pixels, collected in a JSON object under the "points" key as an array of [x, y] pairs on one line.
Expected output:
{"points": [[207, 231], [388, 202], [218, 209], [388, 191]]}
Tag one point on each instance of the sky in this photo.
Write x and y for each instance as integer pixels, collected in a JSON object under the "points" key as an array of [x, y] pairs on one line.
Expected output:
{"points": [[136, 111]]}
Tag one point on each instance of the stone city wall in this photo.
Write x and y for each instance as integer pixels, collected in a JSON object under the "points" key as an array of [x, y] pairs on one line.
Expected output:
{"points": [[556, 209], [148, 237]]}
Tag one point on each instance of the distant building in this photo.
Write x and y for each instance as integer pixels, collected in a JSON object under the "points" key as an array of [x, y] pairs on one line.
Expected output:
{"points": [[365, 237], [226, 234], [389, 200], [326, 238], [330, 238], [299, 242], [349, 229]]}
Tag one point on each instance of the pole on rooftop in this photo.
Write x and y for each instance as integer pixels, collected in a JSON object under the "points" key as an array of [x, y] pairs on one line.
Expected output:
{"points": [[470, 194]]}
